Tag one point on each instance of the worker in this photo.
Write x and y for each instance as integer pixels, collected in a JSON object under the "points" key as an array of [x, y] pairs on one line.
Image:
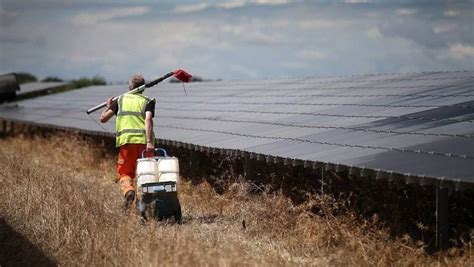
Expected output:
{"points": [[134, 133]]}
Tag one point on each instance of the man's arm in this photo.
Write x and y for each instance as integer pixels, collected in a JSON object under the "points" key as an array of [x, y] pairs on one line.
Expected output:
{"points": [[150, 137], [107, 113]]}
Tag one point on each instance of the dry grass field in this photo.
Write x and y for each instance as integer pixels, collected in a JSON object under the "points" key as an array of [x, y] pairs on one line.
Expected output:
{"points": [[59, 205]]}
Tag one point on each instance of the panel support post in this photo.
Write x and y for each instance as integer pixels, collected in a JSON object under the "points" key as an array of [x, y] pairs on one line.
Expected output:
{"points": [[248, 168], [192, 162], [442, 215], [322, 180]]}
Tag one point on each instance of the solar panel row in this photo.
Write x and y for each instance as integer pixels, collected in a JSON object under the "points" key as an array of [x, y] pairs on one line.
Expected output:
{"points": [[419, 124], [32, 87]]}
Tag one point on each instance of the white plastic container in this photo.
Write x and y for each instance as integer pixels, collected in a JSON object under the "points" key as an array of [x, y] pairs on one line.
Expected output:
{"points": [[156, 170]]}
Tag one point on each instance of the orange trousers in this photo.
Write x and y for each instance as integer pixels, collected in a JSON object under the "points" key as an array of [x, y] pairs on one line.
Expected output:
{"points": [[127, 165]]}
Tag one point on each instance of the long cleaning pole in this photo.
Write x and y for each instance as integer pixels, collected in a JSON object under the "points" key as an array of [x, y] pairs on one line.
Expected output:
{"points": [[136, 90]]}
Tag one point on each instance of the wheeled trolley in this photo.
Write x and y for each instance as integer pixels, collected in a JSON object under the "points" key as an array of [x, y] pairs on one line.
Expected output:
{"points": [[157, 190]]}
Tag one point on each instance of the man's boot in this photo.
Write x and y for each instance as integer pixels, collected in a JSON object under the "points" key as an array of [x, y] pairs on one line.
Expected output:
{"points": [[129, 198]]}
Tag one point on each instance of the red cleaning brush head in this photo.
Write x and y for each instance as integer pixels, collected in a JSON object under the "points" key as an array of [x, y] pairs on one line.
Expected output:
{"points": [[182, 75]]}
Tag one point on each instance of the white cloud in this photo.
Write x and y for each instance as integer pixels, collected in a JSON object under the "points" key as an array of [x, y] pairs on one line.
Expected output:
{"points": [[310, 54], [461, 51], [191, 8], [87, 18], [244, 70], [374, 33], [322, 24], [358, 1], [7, 17], [296, 65], [232, 4], [442, 28], [451, 13], [270, 2], [105, 49], [405, 12], [255, 31], [261, 41]]}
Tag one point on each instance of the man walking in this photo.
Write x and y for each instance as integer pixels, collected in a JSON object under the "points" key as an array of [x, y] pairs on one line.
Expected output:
{"points": [[134, 133]]}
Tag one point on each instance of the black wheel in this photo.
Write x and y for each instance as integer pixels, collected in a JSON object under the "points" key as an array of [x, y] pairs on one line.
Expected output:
{"points": [[166, 205], [177, 213]]}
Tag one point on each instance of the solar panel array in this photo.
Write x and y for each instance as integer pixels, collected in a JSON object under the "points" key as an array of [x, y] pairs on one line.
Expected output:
{"points": [[27, 88], [418, 124]]}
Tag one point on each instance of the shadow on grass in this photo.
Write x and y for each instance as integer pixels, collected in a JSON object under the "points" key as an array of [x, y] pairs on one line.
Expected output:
{"points": [[16, 250]]}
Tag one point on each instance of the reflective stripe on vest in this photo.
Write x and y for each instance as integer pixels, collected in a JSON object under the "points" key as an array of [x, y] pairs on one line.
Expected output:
{"points": [[130, 131], [130, 123]]}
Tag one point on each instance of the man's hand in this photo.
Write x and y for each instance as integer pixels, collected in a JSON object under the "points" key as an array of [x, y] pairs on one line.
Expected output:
{"points": [[150, 146], [109, 102], [107, 113]]}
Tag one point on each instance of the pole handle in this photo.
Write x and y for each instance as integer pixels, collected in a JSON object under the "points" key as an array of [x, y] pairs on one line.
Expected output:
{"points": [[153, 83], [136, 90], [89, 111]]}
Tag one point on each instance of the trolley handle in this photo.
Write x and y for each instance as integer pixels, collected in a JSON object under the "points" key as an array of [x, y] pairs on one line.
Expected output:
{"points": [[155, 150]]}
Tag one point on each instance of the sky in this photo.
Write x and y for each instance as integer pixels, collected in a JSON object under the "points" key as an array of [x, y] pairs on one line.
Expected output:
{"points": [[234, 39]]}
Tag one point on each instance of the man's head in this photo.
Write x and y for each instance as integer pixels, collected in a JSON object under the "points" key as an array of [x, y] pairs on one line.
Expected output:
{"points": [[136, 81]]}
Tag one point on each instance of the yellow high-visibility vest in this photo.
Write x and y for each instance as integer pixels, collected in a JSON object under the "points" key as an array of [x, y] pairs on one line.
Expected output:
{"points": [[130, 123]]}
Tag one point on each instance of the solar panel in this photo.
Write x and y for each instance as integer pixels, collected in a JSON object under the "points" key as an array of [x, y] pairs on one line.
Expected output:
{"points": [[27, 88], [418, 124]]}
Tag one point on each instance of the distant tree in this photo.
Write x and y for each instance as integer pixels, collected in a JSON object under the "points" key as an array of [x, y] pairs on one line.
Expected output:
{"points": [[84, 82], [97, 80], [52, 79], [24, 77]]}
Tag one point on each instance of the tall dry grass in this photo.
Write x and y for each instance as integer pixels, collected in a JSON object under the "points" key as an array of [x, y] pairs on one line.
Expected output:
{"points": [[59, 194]]}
